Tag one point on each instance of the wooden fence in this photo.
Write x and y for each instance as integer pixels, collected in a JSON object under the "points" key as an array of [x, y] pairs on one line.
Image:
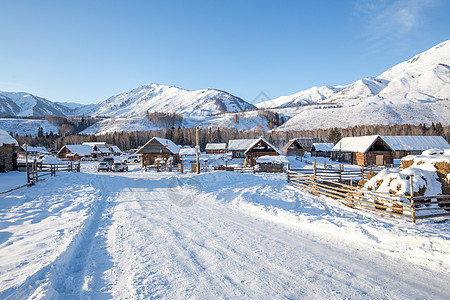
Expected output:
{"points": [[37, 170], [329, 184]]}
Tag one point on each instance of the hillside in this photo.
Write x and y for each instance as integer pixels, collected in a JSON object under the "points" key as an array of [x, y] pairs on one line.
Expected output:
{"points": [[168, 99], [312, 95], [413, 92], [22, 104]]}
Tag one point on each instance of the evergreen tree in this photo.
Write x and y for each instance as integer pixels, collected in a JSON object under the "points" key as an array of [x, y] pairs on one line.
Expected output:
{"points": [[334, 136]]}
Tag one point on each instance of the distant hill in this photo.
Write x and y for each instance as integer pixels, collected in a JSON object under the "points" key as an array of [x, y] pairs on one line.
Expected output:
{"points": [[168, 99], [415, 91], [22, 104]]}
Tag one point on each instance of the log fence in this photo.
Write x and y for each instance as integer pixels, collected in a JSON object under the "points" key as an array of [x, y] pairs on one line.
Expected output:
{"points": [[339, 185], [35, 171]]}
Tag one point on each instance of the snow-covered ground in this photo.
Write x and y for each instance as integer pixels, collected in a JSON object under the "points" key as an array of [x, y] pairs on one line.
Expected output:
{"points": [[141, 235]]}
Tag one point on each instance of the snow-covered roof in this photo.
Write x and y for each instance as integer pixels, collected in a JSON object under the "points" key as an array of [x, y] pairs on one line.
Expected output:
{"points": [[278, 159], [356, 144], [36, 149], [187, 151], [103, 149], [267, 142], [415, 142], [323, 146], [168, 144], [242, 144], [5, 138], [116, 149], [95, 143], [216, 146], [81, 150]]}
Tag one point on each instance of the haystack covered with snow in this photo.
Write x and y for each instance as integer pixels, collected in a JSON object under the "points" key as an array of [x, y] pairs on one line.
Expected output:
{"points": [[430, 171]]}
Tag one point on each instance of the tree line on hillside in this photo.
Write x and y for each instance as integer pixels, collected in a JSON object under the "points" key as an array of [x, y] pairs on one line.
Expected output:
{"points": [[167, 120], [187, 136]]}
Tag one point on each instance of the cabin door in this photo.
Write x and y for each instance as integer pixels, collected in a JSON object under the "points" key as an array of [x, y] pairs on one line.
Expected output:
{"points": [[379, 160]]}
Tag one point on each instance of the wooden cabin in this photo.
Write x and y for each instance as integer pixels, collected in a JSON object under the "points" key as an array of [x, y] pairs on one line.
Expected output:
{"points": [[261, 147], [8, 152], [75, 152], [158, 148], [293, 148], [101, 149], [363, 151], [115, 150], [216, 148], [238, 147], [298, 146], [322, 149], [414, 145], [251, 149]]}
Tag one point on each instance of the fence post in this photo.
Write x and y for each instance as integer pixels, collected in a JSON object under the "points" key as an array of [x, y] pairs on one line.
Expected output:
{"points": [[314, 169], [340, 172], [36, 177], [411, 193]]}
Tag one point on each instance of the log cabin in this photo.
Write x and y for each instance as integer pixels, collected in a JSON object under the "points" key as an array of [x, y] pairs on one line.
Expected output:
{"points": [[251, 149], [158, 148], [216, 148], [363, 151], [8, 152]]}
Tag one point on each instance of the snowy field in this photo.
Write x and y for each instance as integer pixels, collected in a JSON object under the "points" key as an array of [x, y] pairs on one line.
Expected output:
{"points": [[142, 235]]}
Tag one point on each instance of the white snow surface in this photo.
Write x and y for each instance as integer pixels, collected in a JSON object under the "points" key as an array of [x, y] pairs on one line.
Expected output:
{"points": [[5, 138], [141, 235]]}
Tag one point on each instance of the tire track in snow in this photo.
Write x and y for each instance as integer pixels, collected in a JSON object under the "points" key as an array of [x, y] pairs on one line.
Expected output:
{"points": [[63, 277]]}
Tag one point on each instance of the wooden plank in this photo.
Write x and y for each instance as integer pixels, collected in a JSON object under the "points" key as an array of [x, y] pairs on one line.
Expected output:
{"points": [[432, 216], [434, 202], [431, 208], [431, 197]]}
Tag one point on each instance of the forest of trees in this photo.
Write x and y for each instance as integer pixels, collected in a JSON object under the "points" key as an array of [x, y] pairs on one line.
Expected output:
{"points": [[186, 136], [168, 120], [71, 125]]}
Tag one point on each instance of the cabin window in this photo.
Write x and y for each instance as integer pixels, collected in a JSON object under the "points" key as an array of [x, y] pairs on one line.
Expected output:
{"points": [[240, 154]]}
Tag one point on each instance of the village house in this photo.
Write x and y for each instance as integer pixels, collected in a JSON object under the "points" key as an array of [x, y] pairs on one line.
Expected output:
{"points": [[100, 149], [216, 148], [298, 146], [75, 152], [322, 149], [8, 152], [251, 149], [115, 150], [414, 145], [158, 148], [364, 151]]}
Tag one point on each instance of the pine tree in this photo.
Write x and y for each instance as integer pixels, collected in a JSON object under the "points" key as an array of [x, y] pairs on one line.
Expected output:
{"points": [[334, 136]]}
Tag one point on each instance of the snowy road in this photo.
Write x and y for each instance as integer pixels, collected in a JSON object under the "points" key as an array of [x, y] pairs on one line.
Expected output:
{"points": [[142, 237]]}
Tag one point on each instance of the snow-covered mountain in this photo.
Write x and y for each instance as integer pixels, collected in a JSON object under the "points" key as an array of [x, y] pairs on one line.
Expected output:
{"points": [[415, 91], [25, 104], [312, 95], [168, 99]]}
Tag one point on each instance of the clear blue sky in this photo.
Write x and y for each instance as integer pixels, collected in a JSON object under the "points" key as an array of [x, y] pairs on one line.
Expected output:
{"points": [[86, 51]]}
